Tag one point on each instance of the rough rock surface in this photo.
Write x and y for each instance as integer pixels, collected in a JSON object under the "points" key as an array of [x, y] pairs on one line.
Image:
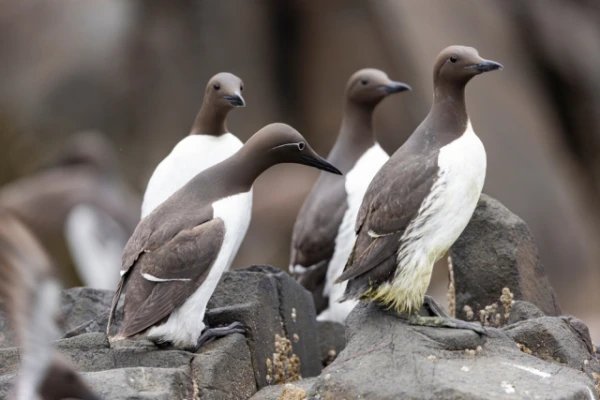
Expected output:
{"points": [[563, 340], [387, 359], [268, 302], [497, 250], [280, 392], [523, 310], [332, 340], [86, 310]]}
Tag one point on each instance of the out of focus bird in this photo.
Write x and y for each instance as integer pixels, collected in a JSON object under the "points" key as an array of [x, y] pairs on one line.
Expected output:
{"points": [[421, 199], [324, 230], [80, 209], [208, 143], [177, 254], [30, 292]]}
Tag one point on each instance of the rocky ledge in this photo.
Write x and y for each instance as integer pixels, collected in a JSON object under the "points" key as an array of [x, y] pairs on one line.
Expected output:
{"points": [[529, 351]]}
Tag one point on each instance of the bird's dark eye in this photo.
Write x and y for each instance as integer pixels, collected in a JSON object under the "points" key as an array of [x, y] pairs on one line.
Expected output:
{"points": [[241, 88], [364, 82], [453, 59], [216, 86], [301, 146]]}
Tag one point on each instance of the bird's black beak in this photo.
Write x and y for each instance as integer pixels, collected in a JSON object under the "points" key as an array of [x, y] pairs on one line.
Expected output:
{"points": [[236, 100], [395, 87], [485, 66], [319, 163]]}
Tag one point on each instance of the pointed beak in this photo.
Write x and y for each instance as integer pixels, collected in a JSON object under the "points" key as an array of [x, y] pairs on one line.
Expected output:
{"points": [[312, 159], [236, 100], [485, 66], [395, 87]]}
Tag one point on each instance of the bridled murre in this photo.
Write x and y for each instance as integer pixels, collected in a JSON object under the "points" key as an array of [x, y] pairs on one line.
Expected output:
{"points": [[177, 254], [324, 230], [208, 143], [421, 199]]}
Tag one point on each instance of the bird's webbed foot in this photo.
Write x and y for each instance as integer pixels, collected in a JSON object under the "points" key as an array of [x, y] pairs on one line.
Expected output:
{"points": [[441, 319], [210, 334]]}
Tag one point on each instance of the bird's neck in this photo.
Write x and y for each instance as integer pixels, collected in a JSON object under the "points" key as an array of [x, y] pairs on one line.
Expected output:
{"points": [[211, 120], [448, 113], [355, 137], [246, 165]]}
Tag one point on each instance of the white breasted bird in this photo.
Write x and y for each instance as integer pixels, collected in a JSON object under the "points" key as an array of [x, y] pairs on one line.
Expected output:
{"points": [[421, 200], [324, 230], [177, 254], [208, 143]]}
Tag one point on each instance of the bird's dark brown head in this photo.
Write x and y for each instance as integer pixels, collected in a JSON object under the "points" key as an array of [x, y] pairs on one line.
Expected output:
{"points": [[62, 382], [223, 94], [225, 90], [280, 143], [369, 86], [458, 64]]}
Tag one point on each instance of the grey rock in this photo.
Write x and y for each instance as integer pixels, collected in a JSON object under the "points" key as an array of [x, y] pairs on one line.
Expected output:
{"points": [[86, 310], [497, 250], [92, 352], [223, 370], [268, 302], [9, 360], [385, 358], [561, 340], [274, 392], [130, 383], [332, 340], [142, 383], [7, 338], [523, 310], [6, 384]]}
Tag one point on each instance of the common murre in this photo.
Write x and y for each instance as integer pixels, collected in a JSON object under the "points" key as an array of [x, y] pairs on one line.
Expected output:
{"points": [[177, 254], [421, 199]]}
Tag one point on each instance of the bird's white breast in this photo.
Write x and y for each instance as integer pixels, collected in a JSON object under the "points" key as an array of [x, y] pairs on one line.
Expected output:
{"points": [[185, 325], [96, 242], [189, 157], [356, 185], [442, 216]]}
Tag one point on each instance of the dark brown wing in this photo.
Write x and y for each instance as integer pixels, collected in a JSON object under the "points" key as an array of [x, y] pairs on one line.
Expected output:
{"points": [[162, 279], [390, 204], [319, 219], [152, 233]]}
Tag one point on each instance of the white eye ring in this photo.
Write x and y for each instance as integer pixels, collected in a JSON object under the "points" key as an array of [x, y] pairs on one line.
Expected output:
{"points": [[301, 146]]}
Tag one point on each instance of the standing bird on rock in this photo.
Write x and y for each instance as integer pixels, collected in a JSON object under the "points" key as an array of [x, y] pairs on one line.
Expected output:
{"points": [[324, 230], [208, 143], [31, 295], [177, 254], [421, 200]]}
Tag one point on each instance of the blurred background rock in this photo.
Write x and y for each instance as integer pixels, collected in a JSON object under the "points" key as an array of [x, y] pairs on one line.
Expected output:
{"points": [[136, 70]]}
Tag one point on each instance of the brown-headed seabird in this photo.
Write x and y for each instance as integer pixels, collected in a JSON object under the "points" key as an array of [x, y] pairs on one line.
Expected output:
{"points": [[177, 254], [421, 199], [80, 209], [324, 230], [208, 143], [31, 295]]}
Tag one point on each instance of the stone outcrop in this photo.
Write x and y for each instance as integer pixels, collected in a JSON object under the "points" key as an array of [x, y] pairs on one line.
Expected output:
{"points": [[280, 344], [496, 250], [385, 358]]}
